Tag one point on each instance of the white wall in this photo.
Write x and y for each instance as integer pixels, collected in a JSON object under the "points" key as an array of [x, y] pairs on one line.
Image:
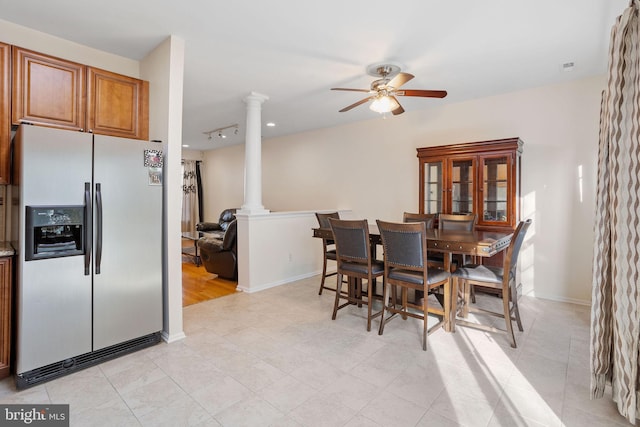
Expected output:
{"points": [[164, 68], [371, 167], [223, 180], [263, 263], [192, 155], [44, 43]]}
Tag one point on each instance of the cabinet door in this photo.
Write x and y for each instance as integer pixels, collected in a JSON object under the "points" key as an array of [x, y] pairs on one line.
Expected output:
{"points": [[5, 112], [47, 90], [5, 315], [117, 105], [461, 183], [432, 186], [497, 197]]}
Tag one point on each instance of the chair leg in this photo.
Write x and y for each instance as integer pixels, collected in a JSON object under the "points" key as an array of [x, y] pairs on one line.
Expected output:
{"points": [[465, 293], [425, 323], [514, 304], [369, 302], [404, 292], [385, 297], [507, 317], [338, 292], [449, 317], [324, 274]]}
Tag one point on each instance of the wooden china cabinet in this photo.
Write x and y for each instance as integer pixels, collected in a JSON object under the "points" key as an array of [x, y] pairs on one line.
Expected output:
{"points": [[477, 177]]}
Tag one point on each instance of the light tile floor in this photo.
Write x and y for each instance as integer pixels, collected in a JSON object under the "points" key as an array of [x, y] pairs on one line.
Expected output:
{"points": [[276, 358]]}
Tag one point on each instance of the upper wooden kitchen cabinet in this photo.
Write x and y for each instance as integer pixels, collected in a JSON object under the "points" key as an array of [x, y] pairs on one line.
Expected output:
{"points": [[478, 177], [117, 105], [54, 92], [5, 112], [48, 90]]}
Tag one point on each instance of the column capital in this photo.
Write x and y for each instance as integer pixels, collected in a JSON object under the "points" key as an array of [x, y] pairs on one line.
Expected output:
{"points": [[256, 97]]}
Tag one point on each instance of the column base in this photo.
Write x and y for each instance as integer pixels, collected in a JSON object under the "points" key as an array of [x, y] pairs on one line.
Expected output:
{"points": [[252, 210]]}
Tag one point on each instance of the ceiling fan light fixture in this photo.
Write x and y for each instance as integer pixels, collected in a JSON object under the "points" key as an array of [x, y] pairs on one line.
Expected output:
{"points": [[383, 104]]}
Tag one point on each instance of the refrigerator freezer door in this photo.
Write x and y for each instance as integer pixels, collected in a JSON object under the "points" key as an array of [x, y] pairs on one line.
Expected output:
{"points": [[53, 295], [128, 290]]}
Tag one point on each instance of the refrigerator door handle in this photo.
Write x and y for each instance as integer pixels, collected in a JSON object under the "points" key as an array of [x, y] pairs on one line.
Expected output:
{"points": [[99, 227], [87, 228]]}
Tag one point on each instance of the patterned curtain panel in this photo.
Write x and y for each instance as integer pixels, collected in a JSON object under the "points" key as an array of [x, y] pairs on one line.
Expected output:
{"points": [[190, 200], [615, 317]]}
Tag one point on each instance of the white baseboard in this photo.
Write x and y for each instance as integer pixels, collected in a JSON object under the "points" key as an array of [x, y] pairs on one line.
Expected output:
{"points": [[170, 338], [562, 299], [277, 283]]}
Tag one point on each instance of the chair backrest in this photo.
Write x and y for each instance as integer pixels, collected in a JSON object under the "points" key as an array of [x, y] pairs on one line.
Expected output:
{"points": [[511, 256], [461, 222], [428, 219], [230, 236], [352, 240], [323, 218], [405, 244], [226, 216]]}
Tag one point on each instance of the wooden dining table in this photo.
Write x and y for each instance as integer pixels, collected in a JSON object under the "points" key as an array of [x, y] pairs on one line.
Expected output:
{"points": [[478, 243]]}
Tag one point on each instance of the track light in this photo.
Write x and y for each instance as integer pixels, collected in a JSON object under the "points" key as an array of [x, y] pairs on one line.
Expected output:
{"points": [[219, 132]]}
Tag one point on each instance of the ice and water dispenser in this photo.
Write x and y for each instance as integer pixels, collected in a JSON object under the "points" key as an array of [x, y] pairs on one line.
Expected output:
{"points": [[54, 231]]}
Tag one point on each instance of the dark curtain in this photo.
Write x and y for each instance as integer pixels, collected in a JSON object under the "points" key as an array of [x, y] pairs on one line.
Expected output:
{"points": [[199, 189]]}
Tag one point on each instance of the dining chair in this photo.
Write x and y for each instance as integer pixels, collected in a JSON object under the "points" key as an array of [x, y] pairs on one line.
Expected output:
{"points": [[429, 219], [356, 261], [405, 266], [497, 278], [435, 259], [328, 248], [461, 222], [458, 222]]}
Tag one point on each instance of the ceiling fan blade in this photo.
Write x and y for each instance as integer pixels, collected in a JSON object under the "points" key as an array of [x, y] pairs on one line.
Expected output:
{"points": [[399, 109], [422, 93], [350, 90], [400, 79], [362, 101]]}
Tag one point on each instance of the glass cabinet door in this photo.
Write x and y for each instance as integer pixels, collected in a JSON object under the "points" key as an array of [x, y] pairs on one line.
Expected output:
{"points": [[462, 177], [433, 187], [495, 189], [481, 177]]}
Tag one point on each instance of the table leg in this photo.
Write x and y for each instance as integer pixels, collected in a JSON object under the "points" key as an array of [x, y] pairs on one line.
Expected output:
{"points": [[453, 304], [451, 301], [196, 256]]}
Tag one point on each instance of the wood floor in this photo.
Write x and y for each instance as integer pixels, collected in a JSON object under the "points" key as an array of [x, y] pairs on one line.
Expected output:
{"points": [[198, 285]]}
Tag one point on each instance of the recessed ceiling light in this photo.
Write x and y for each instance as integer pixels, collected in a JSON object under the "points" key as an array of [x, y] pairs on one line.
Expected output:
{"points": [[271, 124], [185, 145]]}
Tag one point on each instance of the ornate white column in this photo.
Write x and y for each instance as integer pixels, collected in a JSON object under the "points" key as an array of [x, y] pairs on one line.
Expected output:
{"points": [[253, 156]]}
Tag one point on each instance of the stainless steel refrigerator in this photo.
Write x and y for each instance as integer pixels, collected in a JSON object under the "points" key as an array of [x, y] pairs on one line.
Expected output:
{"points": [[89, 231]]}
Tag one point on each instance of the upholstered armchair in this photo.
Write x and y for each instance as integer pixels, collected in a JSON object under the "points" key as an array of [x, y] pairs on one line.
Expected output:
{"points": [[220, 256], [217, 229]]}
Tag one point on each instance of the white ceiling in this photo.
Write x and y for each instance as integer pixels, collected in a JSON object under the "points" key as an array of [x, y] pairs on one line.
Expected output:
{"points": [[294, 51]]}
